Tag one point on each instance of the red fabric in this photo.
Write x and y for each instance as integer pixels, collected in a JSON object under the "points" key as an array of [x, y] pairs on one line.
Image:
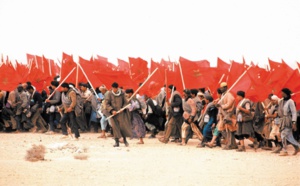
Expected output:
{"points": [[22, 70], [154, 84], [196, 77], [293, 82], [39, 62], [104, 64], [222, 65], [235, 71], [31, 60], [10, 79], [200, 63], [67, 65], [47, 67], [138, 69], [255, 91], [167, 64], [55, 69], [123, 66], [278, 76]]}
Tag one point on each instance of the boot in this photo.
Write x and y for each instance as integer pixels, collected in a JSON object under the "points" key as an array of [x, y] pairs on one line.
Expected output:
{"points": [[241, 148], [297, 149], [116, 142], [125, 142]]}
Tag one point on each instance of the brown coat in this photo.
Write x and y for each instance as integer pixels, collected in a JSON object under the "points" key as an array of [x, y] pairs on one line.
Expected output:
{"points": [[226, 111], [121, 123]]}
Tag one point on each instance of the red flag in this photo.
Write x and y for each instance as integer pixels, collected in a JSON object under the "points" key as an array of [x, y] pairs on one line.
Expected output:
{"points": [[222, 64], [200, 64], [196, 77], [89, 68], [278, 76], [31, 60], [55, 69], [153, 86], [22, 70], [254, 91], [236, 70], [174, 78], [292, 82], [138, 69], [167, 65], [104, 64], [123, 66], [67, 65], [9, 79], [39, 61]]}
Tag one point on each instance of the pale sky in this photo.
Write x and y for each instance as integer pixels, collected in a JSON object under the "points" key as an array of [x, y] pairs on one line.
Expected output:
{"points": [[194, 29]]}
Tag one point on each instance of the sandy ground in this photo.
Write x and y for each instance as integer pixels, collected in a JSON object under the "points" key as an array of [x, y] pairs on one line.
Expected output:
{"points": [[153, 163]]}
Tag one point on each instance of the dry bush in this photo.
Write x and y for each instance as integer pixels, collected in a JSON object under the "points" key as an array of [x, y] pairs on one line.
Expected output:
{"points": [[36, 153]]}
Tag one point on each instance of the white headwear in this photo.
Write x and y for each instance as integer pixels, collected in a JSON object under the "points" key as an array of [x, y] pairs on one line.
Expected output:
{"points": [[275, 98]]}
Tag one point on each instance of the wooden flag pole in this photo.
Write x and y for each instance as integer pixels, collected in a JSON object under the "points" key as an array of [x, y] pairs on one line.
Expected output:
{"points": [[61, 83], [76, 81], [235, 83], [88, 79], [122, 109], [183, 84], [137, 90]]}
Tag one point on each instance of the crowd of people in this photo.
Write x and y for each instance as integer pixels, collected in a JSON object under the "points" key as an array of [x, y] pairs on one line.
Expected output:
{"points": [[226, 121]]}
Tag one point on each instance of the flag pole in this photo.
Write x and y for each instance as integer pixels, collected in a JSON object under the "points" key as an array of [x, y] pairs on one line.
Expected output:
{"points": [[181, 76], [235, 83], [298, 67], [61, 83], [138, 89], [221, 79], [88, 79], [122, 109], [76, 81]]}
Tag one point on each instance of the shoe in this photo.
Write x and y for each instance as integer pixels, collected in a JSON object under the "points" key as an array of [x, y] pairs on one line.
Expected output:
{"points": [[297, 149], [139, 143], [283, 154], [126, 143], [75, 139], [116, 143], [277, 150]]}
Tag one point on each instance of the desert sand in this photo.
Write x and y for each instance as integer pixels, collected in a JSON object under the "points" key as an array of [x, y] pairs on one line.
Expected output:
{"points": [[153, 163]]}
